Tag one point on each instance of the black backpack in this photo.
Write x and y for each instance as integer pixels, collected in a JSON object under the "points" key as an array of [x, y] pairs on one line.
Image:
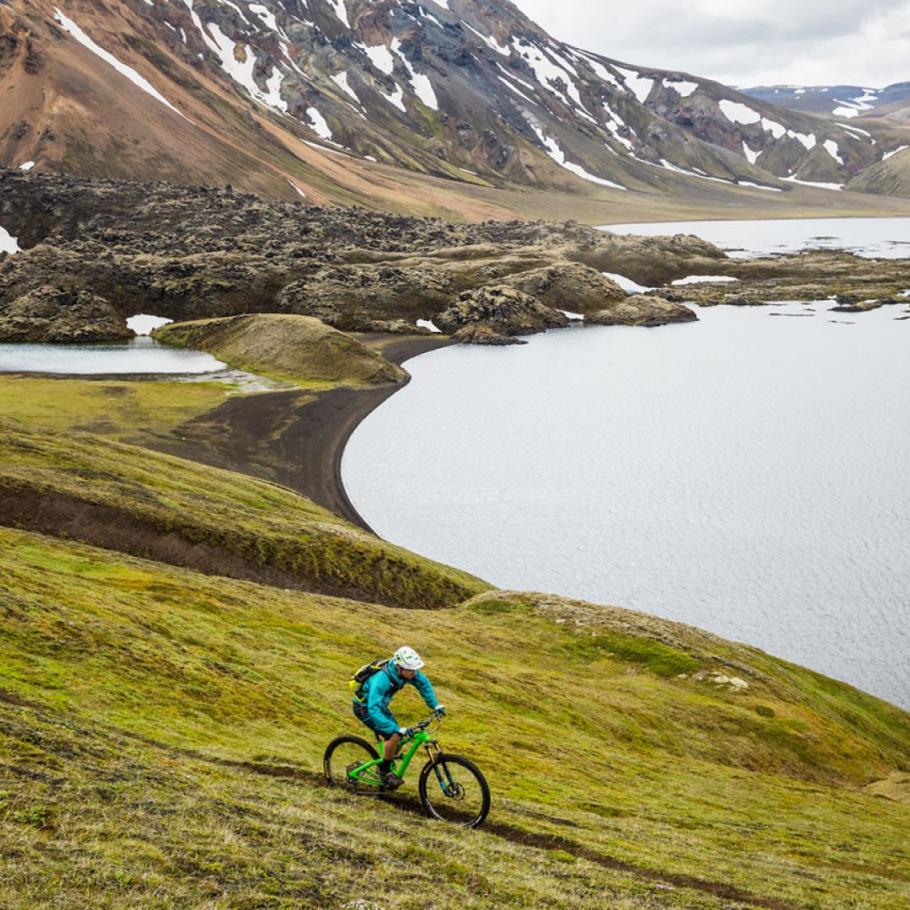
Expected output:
{"points": [[364, 673]]}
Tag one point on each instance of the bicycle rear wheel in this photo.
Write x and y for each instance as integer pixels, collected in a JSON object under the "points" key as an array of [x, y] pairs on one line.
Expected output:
{"points": [[452, 789], [343, 754]]}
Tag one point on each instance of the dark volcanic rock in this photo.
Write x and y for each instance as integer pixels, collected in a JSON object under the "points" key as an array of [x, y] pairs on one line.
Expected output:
{"points": [[197, 252], [860, 306], [570, 286], [54, 314], [644, 309], [483, 333], [503, 310]]}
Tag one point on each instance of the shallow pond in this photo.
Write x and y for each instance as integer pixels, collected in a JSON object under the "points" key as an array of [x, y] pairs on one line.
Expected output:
{"points": [[136, 357]]}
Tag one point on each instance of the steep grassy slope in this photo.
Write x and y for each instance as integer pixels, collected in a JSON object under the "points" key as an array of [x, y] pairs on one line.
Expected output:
{"points": [[161, 730], [162, 693], [300, 349], [134, 500]]}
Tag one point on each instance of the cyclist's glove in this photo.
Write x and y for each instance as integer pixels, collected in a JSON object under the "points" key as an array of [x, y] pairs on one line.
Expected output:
{"points": [[440, 711], [404, 732]]}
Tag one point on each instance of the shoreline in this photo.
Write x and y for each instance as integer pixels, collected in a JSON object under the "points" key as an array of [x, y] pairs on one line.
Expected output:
{"points": [[355, 409], [296, 437]]}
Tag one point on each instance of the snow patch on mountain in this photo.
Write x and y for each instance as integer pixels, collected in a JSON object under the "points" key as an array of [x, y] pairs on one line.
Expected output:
{"points": [[420, 83], [759, 186], [239, 64], [601, 71], [558, 155], [751, 156], [381, 57], [833, 149], [743, 115], [855, 106], [819, 186], [319, 124], [139, 81], [682, 88], [639, 85], [340, 11], [737, 112], [8, 243], [341, 80], [490, 42], [894, 152]]}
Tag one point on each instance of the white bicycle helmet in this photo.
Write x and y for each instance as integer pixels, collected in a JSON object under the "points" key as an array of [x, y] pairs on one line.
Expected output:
{"points": [[407, 659]]}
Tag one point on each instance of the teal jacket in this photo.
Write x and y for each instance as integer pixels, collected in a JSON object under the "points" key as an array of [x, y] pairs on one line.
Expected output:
{"points": [[381, 688]]}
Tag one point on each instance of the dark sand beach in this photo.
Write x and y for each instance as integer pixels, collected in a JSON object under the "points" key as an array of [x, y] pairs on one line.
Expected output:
{"points": [[296, 437]]}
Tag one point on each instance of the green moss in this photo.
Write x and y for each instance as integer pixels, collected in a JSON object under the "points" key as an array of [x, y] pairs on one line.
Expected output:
{"points": [[154, 679], [298, 349], [653, 655], [263, 526]]}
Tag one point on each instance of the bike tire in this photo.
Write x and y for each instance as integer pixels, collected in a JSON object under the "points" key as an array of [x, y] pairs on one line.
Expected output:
{"points": [[337, 777], [451, 812]]}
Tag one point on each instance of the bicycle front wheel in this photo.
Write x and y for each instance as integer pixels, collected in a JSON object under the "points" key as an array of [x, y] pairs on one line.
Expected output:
{"points": [[452, 789]]}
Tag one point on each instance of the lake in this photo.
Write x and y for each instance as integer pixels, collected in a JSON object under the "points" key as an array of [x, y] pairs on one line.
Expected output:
{"points": [[877, 238], [746, 474], [140, 356]]}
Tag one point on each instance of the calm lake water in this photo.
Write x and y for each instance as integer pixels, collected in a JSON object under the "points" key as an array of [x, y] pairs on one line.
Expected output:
{"points": [[139, 356], [878, 238], [746, 474]]}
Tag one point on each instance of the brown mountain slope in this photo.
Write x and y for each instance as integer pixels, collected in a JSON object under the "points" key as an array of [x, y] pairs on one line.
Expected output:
{"points": [[409, 106]]}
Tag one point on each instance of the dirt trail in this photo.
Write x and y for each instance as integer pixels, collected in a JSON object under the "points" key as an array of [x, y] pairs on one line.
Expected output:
{"points": [[534, 840], [411, 805]]}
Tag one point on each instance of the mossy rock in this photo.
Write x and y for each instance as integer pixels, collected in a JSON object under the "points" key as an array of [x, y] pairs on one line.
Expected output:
{"points": [[296, 348]]}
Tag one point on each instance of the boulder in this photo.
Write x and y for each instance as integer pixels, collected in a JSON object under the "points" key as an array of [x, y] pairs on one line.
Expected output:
{"points": [[644, 310], [569, 286], [484, 333], [504, 310], [61, 315]]}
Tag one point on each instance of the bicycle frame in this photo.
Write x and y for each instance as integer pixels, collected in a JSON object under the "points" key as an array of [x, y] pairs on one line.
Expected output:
{"points": [[399, 764]]}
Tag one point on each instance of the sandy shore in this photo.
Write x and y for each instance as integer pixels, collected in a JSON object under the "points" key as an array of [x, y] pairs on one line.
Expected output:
{"points": [[296, 437]]}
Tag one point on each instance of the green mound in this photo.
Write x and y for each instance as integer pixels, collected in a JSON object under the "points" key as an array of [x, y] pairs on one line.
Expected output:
{"points": [[131, 499], [161, 734], [299, 349]]}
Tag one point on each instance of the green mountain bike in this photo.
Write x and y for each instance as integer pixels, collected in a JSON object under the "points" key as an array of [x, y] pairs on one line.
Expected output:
{"points": [[451, 787]]}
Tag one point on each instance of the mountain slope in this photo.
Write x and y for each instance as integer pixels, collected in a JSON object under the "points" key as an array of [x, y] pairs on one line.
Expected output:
{"points": [[272, 96], [845, 102], [161, 734]]}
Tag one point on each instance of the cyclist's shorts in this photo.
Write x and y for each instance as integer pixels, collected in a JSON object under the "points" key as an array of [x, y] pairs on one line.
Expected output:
{"points": [[360, 712]]}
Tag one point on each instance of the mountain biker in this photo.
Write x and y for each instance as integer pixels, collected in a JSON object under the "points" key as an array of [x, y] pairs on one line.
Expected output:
{"points": [[371, 703]]}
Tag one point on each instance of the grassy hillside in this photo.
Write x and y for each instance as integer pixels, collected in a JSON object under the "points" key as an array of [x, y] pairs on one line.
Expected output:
{"points": [[161, 734], [299, 349], [142, 502], [161, 730], [124, 410]]}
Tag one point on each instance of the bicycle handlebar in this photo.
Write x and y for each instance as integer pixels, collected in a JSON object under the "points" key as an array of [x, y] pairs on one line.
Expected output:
{"points": [[423, 724]]}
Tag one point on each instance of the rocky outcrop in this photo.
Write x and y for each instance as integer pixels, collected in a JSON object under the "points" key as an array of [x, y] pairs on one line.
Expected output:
{"points": [[569, 286], [499, 310], [371, 297], [61, 315], [295, 348], [193, 253], [649, 261], [643, 310], [484, 334]]}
